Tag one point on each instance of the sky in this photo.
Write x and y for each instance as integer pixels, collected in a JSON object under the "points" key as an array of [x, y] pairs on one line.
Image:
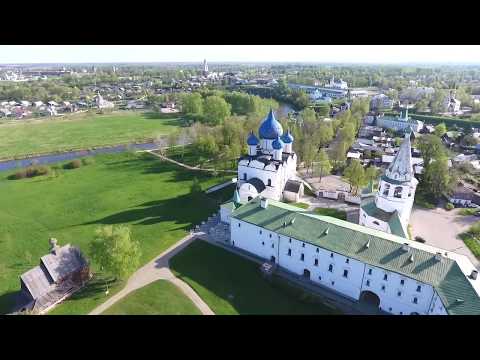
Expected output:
{"points": [[375, 54]]}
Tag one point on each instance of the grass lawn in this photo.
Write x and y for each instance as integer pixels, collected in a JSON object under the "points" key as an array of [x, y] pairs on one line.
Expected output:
{"points": [[339, 214], [471, 238], [137, 189], [80, 131], [468, 211], [158, 298], [232, 285], [301, 205], [192, 157]]}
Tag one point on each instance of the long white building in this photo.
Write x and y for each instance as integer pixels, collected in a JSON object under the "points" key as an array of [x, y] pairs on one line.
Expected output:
{"points": [[387, 271]]}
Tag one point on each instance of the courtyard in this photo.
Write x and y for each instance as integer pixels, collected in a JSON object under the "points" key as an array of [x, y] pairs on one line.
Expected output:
{"points": [[441, 228]]}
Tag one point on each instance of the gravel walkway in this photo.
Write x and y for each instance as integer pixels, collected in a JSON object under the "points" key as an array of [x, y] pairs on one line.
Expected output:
{"points": [[158, 269]]}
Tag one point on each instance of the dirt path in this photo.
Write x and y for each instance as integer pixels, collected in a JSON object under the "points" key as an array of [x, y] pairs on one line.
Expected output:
{"points": [[197, 168], [158, 269]]}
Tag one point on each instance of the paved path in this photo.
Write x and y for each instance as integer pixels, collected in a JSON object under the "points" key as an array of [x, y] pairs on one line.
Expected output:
{"points": [[158, 269], [440, 228], [197, 168]]}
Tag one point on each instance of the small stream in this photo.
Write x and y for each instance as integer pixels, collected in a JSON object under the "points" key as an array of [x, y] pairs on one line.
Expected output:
{"points": [[71, 155]]}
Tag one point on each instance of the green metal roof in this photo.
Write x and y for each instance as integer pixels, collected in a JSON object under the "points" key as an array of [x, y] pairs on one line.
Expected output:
{"points": [[384, 251], [368, 205], [396, 226]]}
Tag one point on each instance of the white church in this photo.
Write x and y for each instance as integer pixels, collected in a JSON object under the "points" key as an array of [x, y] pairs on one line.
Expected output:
{"points": [[390, 208], [270, 167], [371, 263]]}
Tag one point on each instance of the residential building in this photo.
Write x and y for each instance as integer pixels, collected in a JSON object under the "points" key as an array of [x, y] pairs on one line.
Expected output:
{"points": [[399, 123]]}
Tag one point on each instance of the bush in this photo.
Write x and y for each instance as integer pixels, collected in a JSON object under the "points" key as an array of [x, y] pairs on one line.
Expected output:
{"points": [[30, 172], [420, 239], [88, 161], [449, 206], [74, 164]]}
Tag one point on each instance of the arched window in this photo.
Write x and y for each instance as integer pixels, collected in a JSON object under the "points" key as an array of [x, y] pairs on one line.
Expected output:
{"points": [[244, 176], [398, 192], [269, 182], [376, 222], [386, 189]]}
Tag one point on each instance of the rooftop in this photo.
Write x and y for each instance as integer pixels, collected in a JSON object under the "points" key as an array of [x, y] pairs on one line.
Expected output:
{"points": [[385, 250]]}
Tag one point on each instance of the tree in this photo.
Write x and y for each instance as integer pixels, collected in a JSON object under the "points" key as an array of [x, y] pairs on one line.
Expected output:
{"points": [[308, 115], [323, 166], [309, 151], [437, 178], [324, 133], [192, 104], [347, 134], [421, 105], [431, 147], [371, 173], [438, 101], [440, 130], [115, 251], [216, 109], [195, 188], [354, 174], [339, 153]]}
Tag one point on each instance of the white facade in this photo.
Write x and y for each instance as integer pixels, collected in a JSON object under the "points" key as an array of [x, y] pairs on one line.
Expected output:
{"points": [[395, 195], [351, 278], [270, 163]]}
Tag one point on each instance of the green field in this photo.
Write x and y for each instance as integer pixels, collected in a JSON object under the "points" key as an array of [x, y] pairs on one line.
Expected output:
{"points": [[80, 131], [232, 285], [158, 298], [137, 189], [339, 214]]}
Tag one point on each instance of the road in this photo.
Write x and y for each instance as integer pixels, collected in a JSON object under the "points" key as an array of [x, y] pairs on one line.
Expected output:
{"points": [[158, 269], [440, 228]]}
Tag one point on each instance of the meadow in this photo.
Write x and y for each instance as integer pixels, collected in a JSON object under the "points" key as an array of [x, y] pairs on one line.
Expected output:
{"points": [[130, 188], [81, 131], [158, 298]]}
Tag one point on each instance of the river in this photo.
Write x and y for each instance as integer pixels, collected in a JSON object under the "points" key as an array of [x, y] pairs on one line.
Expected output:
{"points": [[71, 155]]}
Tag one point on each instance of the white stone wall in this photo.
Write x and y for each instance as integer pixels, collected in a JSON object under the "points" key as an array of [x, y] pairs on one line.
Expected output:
{"points": [[225, 214], [437, 307], [373, 223], [391, 203], [287, 253], [388, 291]]}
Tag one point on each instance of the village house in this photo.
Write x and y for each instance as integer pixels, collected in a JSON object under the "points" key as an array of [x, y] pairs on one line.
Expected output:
{"points": [[60, 273]]}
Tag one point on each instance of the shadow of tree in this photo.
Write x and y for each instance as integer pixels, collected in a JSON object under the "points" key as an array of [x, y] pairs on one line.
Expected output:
{"points": [[8, 301], [96, 286]]}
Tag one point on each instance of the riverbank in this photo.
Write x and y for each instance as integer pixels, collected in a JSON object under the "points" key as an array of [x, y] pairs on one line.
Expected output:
{"points": [[60, 156], [30, 139]]}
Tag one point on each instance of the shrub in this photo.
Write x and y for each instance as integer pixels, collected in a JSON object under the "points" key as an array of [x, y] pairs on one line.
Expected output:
{"points": [[420, 239], [21, 174], [74, 164], [30, 172], [449, 206], [88, 161]]}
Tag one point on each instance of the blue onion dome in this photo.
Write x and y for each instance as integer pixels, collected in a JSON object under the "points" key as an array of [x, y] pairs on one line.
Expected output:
{"points": [[270, 128], [277, 144], [287, 137], [252, 139]]}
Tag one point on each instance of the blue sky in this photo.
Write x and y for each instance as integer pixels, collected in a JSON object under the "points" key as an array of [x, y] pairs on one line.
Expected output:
{"points": [[243, 53]]}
